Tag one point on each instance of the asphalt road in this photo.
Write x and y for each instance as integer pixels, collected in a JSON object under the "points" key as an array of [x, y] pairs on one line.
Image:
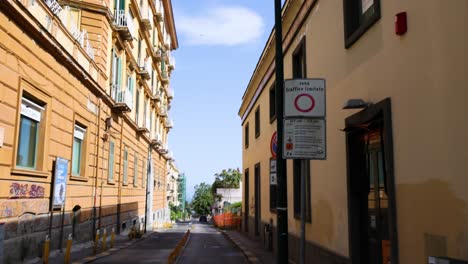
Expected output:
{"points": [[154, 249], [207, 245]]}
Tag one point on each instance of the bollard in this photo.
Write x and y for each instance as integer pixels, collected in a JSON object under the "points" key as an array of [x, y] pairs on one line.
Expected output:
{"points": [[96, 241], [68, 250], [112, 238], [45, 256], [104, 237]]}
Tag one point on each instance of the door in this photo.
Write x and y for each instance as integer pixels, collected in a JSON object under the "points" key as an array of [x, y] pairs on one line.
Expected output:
{"points": [[246, 200], [257, 199], [372, 218]]}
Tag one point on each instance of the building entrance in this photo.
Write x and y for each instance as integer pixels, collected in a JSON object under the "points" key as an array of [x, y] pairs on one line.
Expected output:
{"points": [[373, 236]]}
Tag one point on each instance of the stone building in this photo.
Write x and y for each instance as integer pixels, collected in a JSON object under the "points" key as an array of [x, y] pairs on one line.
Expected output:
{"points": [[84, 99]]}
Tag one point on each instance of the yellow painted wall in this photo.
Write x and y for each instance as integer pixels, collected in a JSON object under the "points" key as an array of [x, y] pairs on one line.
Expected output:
{"points": [[424, 74]]}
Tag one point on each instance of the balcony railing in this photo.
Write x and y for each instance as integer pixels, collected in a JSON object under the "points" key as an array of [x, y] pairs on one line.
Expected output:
{"points": [[156, 140], [170, 93], [169, 123], [123, 98], [124, 24], [163, 111], [144, 68], [159, 10], [146, 18]]}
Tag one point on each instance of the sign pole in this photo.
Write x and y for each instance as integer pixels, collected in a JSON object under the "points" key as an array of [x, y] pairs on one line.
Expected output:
{"points": [[282, 202], [304, 168]]}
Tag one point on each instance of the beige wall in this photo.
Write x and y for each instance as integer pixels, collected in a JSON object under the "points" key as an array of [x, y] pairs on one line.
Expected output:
{"points": [[424, 74]]}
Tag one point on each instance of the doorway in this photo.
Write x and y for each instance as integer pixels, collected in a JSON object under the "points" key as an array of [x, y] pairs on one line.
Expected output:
{"points": [[371, 186], [257, 199], [246, 200]]}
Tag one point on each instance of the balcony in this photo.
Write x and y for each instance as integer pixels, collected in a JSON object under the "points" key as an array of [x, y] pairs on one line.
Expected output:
{"points": [[170, 93], [169, 123], [159, 10], [123, 99], [163, 111], [156, 140], [156, 97], [144, 68], [164, 76], [171, 63], [158, 54], [124, 24], [146, 17]]}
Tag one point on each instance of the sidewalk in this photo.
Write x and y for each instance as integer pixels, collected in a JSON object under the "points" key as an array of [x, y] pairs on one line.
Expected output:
{"points": [[252, 249], [83, 253]]}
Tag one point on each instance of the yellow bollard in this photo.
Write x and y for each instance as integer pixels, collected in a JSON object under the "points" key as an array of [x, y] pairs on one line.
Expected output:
{"points": [[45, 255], [96, 241], [112, 238], [104, 237], [67, 252]]}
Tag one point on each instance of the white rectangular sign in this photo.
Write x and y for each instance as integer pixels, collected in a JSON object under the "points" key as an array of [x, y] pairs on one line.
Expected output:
{"points": [[304, 98], [273, 177], [304, 139]]}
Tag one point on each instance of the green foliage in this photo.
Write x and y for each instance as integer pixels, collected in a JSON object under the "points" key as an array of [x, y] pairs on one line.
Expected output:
{"points": [[202, 199], [233, 208], [226, 179]]}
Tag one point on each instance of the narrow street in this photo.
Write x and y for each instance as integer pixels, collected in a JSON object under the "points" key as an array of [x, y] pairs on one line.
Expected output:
{"points": [[206, 245], [154, 249]]}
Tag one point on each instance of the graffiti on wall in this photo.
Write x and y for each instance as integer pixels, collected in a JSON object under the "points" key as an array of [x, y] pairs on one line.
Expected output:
{"points": [[18, 190]]}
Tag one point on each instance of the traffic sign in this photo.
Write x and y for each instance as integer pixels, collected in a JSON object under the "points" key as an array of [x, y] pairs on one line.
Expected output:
{"points": [[304, 98], [304, 138], [273, 177], [274, 145]]}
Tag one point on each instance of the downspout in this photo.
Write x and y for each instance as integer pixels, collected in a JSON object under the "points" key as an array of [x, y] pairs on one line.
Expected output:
{"points": [[98, 121], [119, 188]]}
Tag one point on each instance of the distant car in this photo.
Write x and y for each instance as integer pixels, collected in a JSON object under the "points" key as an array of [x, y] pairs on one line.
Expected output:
{"points": [[202, 218]]}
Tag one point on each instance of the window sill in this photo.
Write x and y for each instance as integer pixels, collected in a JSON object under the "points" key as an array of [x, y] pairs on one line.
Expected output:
{"points": [[31, 173], [110, 182], [272, 119], [125, 184], [79, 178]]}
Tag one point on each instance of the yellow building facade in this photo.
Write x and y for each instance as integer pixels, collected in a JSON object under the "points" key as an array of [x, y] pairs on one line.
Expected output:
{"points": [[88, 83], [393, 186]]}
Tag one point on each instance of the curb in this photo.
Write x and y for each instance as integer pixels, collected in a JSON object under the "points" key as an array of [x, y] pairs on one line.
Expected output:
{"points": [[251, 257], [108, 252]]}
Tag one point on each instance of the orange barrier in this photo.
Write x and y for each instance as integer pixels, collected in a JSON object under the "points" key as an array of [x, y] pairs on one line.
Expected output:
{"points": [[227, 221]]}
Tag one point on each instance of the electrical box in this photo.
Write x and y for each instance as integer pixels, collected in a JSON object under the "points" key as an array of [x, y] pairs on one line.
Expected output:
{"points": [[445, 260]]}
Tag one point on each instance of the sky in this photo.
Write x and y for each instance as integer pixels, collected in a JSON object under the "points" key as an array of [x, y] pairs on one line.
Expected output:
{"points": [[220, 42]]}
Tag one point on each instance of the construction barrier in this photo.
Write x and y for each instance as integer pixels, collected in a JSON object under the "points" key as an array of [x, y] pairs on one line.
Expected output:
{"points": [[178, 249], [227, 221]]}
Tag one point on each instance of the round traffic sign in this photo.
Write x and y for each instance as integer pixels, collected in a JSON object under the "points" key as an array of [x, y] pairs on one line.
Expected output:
{"points": [[274, 145], [304, 103]]}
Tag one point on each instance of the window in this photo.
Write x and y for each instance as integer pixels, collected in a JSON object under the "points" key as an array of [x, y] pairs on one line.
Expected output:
{"points": [[116, 75], [359, 16], [246, 135], [125, 166], [299, 61], [257, 122], [110, 177], [79, 136], [135, 170], [298, 166], [145, 172], [137, 106], [272, 103], [31, 115]]}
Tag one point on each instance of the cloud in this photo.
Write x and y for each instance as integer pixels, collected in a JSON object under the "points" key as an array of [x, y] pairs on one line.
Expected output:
{"points": [[228, 25]]}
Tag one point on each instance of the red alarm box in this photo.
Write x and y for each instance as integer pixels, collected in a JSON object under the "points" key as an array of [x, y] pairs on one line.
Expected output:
{"points": [[401, 23]]}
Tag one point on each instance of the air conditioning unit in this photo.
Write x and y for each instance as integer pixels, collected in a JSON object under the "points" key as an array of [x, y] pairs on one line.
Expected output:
{"points": [[445, 260]]}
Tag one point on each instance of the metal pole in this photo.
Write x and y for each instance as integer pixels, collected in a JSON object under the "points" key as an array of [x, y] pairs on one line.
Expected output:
{"points": [[303, 211], [282, 199], [61, 228]]}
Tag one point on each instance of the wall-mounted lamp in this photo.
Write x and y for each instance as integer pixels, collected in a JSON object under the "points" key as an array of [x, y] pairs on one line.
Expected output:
{"points": [[108, 123], [356, 104]]}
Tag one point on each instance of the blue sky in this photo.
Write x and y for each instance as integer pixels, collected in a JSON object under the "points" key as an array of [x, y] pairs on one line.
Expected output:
{"points": [[220, 42]]}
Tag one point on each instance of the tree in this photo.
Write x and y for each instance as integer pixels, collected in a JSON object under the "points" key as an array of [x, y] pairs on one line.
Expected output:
{"points": [[226, 179], [202, 199]]}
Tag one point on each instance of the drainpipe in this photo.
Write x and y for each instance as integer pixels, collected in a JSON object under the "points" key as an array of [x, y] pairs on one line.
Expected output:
{"points": [[98, 121], [119, 188]]}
